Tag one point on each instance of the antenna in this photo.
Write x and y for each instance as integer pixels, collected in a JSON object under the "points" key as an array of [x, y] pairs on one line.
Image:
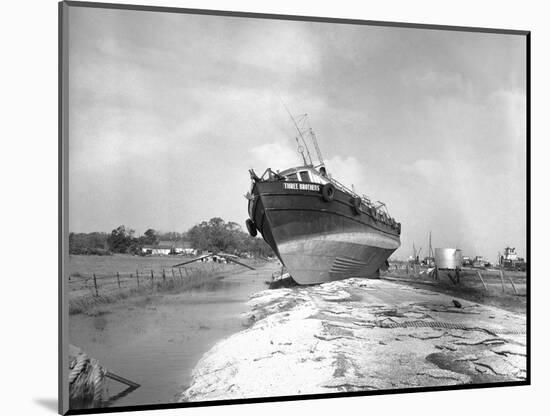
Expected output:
{"points": [[299, 132], [319, 155], [301, 123], [430, 250], [308, 154], [301, 151]]}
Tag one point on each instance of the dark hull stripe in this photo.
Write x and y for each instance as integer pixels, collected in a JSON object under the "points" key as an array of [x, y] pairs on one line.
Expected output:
{"points": [[310, 195], [344, 202], [394, 234]]}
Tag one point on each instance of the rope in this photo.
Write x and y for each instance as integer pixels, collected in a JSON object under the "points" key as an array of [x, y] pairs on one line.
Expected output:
{"points": [[86, 379], [97, 381], [77, 367]]}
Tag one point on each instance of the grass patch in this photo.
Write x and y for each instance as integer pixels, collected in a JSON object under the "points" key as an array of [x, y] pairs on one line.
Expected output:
{"points": [[88, 303], [471, 289]]}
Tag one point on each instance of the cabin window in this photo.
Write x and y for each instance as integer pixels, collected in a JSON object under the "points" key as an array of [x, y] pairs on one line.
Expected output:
{"points": [[292, 177], [316, 178], [304, 176]]}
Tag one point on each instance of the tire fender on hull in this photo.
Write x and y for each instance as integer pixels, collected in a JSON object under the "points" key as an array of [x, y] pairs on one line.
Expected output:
{"points": [[328, 191], [251, 227], [356, 205]]}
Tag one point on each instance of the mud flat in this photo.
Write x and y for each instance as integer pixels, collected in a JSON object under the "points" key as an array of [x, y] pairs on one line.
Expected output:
{"points": [[155, 339], [358, 335]]}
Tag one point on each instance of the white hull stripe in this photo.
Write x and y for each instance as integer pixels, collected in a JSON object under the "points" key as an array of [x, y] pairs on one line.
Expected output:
{"points": [[364, 239]]}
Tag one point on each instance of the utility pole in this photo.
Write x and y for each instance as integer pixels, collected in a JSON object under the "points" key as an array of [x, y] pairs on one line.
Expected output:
{"points": [[430, 250]]}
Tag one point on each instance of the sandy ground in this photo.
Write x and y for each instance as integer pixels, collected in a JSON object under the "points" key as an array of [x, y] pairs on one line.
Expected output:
{"points": [[361, 335]]}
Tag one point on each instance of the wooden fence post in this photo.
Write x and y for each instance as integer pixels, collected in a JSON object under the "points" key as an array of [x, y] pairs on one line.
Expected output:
{"points": [[163, 275], [118, 279], [502, 278], [480, 278], [451, 278], [137, 277], [181, 276], [512, 283], [152, 278], [95, 285], [173, 275]]}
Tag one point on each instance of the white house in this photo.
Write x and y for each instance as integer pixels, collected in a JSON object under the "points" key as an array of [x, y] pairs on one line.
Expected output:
{"points": [[158, 249], [164, 248]]}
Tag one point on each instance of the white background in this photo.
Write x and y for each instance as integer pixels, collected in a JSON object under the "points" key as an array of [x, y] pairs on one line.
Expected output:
{"points": [[28, 173]]}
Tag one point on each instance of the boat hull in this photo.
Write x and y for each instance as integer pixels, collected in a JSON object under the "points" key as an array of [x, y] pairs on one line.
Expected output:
{"points": [[318, 240]]}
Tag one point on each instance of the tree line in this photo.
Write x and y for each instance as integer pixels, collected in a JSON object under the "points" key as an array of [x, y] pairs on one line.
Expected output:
{"points": [[214, 235]]}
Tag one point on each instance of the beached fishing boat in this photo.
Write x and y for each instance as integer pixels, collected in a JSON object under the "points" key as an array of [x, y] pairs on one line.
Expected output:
{"points": [[320, 230]]}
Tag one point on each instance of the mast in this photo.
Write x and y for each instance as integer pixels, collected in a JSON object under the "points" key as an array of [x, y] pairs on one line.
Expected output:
{"points": [[319, 156], [305, 127], [300, 133], [301, 151]]}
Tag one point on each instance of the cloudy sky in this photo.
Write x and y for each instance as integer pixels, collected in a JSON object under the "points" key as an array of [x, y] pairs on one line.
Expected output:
{"points": [[167, 112]]}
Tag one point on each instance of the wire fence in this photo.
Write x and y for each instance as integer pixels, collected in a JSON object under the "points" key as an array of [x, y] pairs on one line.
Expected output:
{"points": [[98, 284], [469, 276]]}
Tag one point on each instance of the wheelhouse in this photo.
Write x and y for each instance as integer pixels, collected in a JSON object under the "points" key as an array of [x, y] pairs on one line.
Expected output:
{"points": [[304, 174]]}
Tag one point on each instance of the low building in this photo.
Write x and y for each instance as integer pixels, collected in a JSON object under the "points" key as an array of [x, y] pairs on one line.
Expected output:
{"points": [[466, 261], [184, 247], [157, 249], [429, 261], [480, 262], [511, 261], [165, 247]]}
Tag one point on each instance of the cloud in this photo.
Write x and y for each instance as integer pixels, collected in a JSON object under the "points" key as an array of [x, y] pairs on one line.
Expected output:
{"points": [[348, 171], [276, 156], [510, 106], [443, 81], [425, 168], [278, 46]]}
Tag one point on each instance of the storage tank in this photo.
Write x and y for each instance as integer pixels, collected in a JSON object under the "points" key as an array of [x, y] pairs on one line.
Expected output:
{"points": [[448, 258]]}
